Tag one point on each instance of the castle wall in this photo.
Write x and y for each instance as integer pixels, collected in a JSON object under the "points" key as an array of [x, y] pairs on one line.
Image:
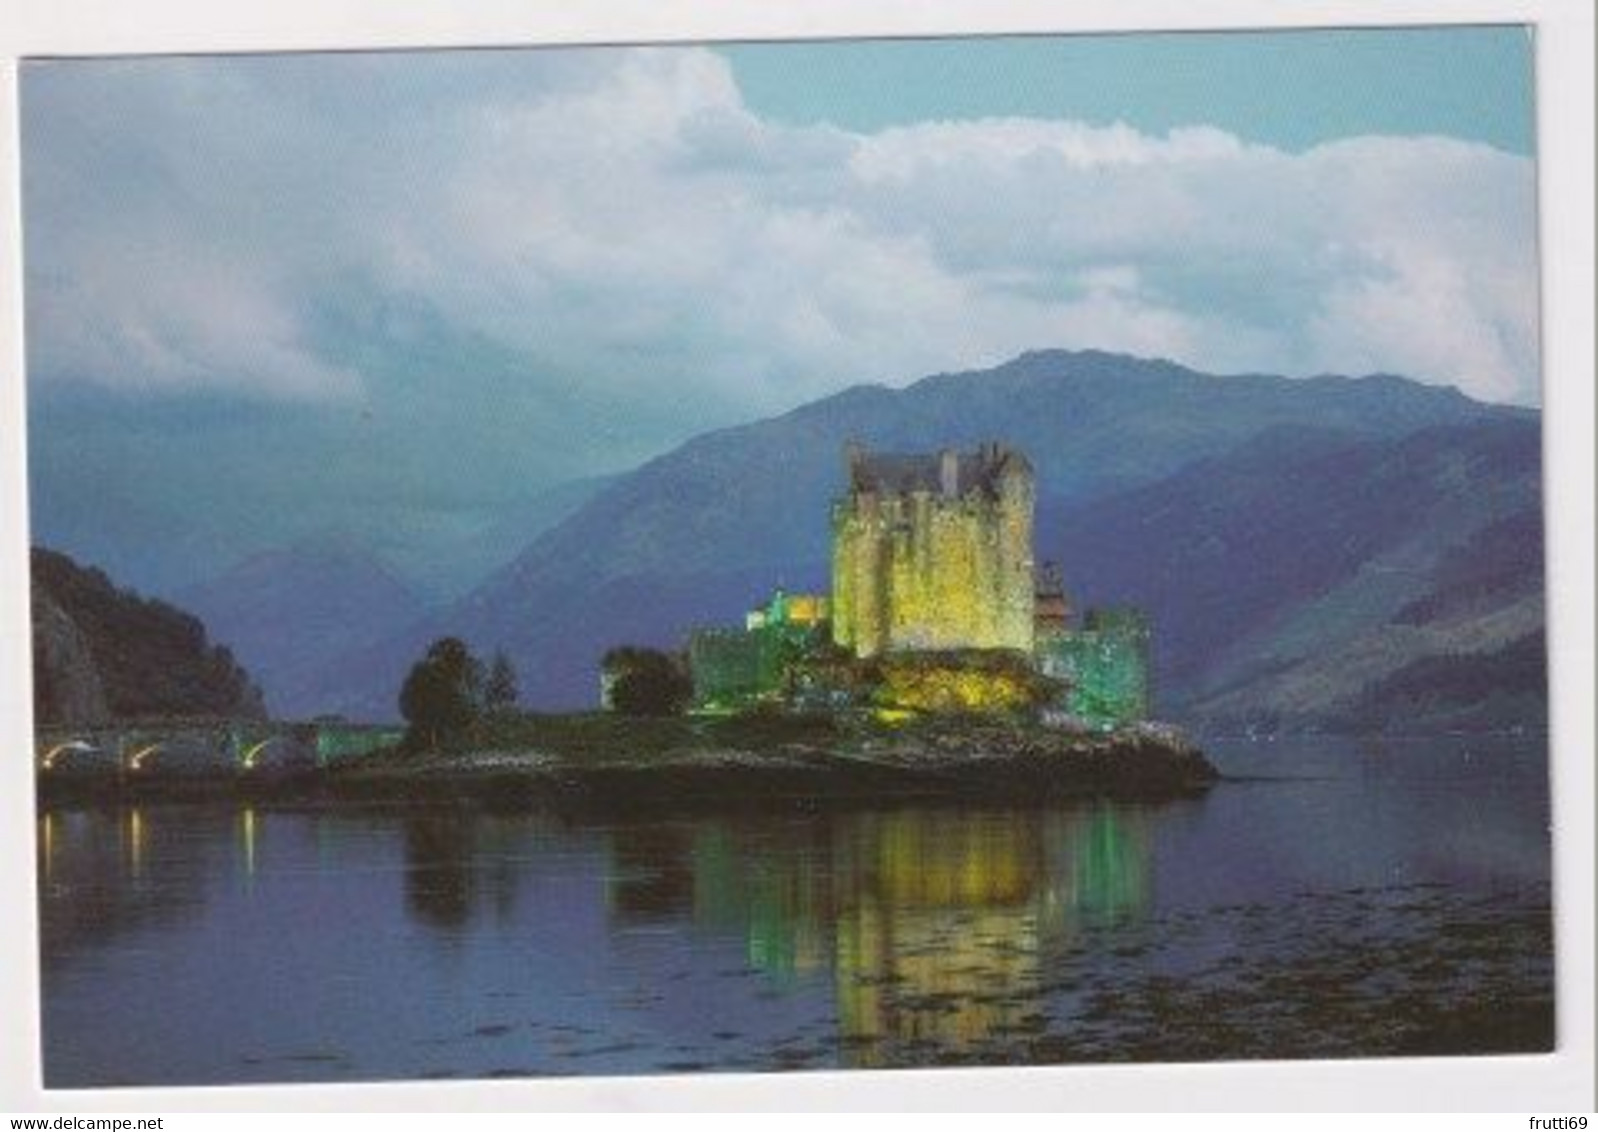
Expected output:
{"points": [[731, 666], [1105, 667]]}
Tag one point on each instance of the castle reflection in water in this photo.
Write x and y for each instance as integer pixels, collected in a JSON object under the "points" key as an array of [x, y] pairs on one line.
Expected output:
{"points": [[936, 924]]}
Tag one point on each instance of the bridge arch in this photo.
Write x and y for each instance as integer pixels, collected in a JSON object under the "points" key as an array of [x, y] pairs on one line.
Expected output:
{"points": [[48, 759], [141, 755]]}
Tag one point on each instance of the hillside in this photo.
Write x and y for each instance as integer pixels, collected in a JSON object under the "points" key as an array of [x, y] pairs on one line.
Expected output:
{"points": [[286, 611], [1312, 579], [102, 653], [697, 535]]}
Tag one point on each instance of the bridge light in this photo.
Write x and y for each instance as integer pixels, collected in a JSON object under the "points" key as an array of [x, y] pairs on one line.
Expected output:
{"points": [[48, 760], [248, 759], [136, 760]]}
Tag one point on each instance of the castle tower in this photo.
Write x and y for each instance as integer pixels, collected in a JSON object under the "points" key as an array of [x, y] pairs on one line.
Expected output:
{"points": [[934, 552]]}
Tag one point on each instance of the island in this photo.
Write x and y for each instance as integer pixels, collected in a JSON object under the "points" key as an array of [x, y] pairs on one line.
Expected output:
{"points": [[672, 762]]}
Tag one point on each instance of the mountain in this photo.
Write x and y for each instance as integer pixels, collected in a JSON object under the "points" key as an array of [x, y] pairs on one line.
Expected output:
{"points": [[286, 611], [1315, 579], [457, 567], [701, 533], [101, 653], [1093, 423]]}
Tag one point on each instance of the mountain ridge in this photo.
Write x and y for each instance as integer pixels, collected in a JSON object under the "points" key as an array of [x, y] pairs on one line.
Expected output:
{"points": [[698, 534], [284, 610], [830, 420]]}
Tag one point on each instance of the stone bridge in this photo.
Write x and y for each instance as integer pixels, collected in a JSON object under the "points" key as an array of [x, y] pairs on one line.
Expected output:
{"points": [[207, 744]]}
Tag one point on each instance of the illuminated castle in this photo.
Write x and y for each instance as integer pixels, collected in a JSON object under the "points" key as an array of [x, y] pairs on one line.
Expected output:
{"points": [[936, 606], [934, 552]]}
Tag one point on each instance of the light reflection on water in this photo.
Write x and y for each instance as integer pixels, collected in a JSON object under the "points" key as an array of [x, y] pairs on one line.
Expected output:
{"points": [[201, 943]]}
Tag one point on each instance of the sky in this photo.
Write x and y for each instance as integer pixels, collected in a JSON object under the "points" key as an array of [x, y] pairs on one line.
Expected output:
{"points": [[1290, 91], [397, 297]]}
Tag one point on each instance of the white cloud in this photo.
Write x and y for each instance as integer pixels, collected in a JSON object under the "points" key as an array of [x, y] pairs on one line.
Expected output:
{"points": [[147, 323], [906, 153], [623, 218]]}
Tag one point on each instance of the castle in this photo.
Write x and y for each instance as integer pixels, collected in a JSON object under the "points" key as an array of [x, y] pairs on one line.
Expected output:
{"points": [[936, 604]]}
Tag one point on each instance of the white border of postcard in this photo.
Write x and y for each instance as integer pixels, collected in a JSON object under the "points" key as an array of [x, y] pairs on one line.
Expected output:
{"points": [[1545, 1085]]}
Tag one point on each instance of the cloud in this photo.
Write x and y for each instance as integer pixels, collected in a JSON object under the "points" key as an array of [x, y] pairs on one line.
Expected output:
{"points": [[620, 217], [396, 295], [194, 325]]}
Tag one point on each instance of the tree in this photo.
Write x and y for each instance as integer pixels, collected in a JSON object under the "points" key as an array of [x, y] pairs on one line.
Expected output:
{"points": [[500, 690], [646, 682], [443, 694]]}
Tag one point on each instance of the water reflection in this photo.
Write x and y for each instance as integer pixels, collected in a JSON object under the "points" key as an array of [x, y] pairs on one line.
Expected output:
{"points": [[938, 934], [247, 838], [106, 872], [928, 929], [933, 923], [770, 885], [651, 873], [47, 848], [439, 866], [909, 935], [943, 933], [136, 835], [456, 861], [1109, 863]]}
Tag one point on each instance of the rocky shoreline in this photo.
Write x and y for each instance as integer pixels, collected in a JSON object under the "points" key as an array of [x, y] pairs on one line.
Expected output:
{"points": [[664, 764]]}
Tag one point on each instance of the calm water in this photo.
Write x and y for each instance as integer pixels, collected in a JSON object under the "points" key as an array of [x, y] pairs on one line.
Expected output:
{"points": [[1383, 899]]}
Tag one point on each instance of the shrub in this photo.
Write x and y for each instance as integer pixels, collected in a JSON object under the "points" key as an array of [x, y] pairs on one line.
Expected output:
{"points": [[646, 682]]}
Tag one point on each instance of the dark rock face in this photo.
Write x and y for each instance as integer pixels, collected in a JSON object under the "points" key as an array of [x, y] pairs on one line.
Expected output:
{"points": [[66, 683], [103, 653]]}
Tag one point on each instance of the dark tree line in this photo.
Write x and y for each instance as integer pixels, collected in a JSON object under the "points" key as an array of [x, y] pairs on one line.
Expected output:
{"points": [[144, 657], [646, 682], [449, 691]]}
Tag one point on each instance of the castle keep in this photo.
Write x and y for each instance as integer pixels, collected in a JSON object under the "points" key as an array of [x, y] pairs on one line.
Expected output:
{"points": [[934, 552]]}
